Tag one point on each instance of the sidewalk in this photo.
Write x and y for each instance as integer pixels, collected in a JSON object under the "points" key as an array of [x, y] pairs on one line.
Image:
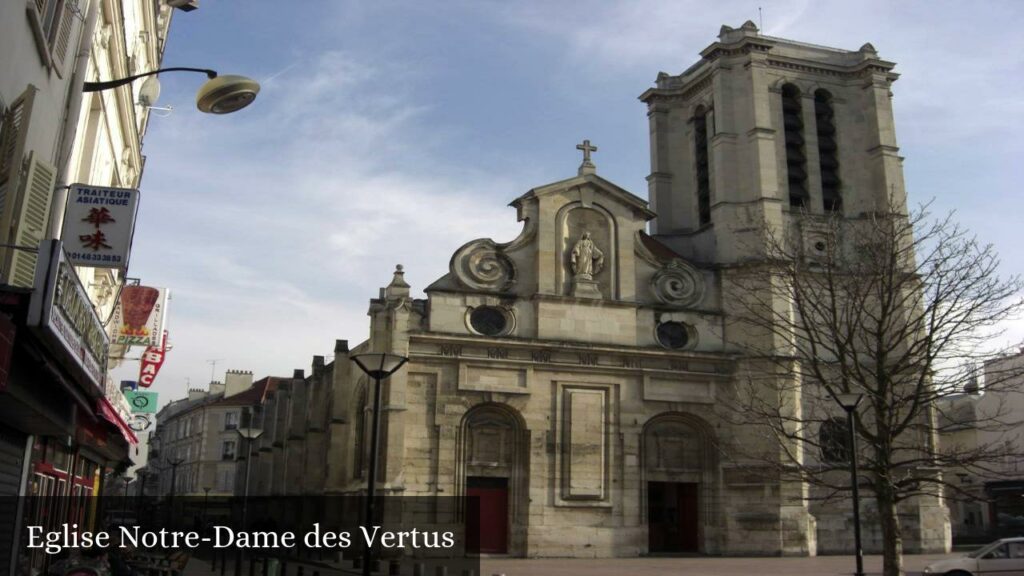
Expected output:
{"points": [[698, 566]]}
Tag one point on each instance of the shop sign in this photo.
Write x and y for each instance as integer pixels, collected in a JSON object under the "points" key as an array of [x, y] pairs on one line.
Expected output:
{"points": [[62, 314], [141, 402], [98, 225], [139, 315], [152, 360]]}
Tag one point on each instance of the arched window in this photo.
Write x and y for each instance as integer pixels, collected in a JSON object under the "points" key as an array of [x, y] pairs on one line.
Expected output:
{"points": [[796, 160], [700, 149], [834, 439], [828, 151]]}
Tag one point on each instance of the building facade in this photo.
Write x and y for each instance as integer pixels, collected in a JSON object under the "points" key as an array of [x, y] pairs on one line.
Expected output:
{"points": [[572, 378], [62, 425], [196, 447], [990, 499]]}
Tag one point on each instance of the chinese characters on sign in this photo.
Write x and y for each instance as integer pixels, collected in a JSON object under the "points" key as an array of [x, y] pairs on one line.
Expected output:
{"points": [[139, 315], [98, 225]]}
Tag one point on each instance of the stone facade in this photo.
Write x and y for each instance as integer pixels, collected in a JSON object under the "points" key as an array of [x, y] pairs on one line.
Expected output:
{"points": [[571, 377]]}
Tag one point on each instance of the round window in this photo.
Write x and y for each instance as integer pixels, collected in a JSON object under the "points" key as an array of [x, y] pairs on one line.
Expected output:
{"points": [[673, 335], [488, 320]]}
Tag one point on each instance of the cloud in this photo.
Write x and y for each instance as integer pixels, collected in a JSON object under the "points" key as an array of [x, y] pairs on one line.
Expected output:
{"points": [[274, 230]]}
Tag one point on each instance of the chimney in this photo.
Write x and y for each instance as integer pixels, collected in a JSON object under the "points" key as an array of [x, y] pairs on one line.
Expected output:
{"points": [[197, 393], [236, 381], [216, 387]]}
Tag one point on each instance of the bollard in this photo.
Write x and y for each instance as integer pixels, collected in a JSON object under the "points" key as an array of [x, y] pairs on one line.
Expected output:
{"points": [[252, 567], [441, 571], [376, 565], [419, 569], [284, 567], [394, 568], [357, 562], [302, 569], [223, 562], [266, 568]]}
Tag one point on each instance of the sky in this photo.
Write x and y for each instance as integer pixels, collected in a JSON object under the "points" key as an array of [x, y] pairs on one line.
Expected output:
{"points": [[392, 132]]}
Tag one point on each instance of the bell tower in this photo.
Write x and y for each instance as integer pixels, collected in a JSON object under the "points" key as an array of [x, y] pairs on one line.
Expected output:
{"points": [[762, 132]]}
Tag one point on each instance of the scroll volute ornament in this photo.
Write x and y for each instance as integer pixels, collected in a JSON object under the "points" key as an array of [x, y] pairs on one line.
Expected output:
{"points": [[483, 265], [678, 284]]}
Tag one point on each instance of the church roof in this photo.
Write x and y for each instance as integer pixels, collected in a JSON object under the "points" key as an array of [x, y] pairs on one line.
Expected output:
{"points": [[661, 251]]}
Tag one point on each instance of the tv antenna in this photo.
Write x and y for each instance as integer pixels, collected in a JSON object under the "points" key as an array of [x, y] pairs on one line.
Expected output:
{"points": [[760, 19], [213, 367]]}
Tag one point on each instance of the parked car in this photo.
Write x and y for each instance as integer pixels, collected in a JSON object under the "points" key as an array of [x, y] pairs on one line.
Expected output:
{"points": [[1003, 557]]}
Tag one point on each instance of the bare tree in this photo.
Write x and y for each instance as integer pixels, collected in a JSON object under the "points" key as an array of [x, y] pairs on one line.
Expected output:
{"points": [[895, 307]]}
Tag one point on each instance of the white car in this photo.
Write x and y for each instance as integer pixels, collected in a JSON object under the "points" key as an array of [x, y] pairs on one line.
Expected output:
{"points": [[1003, 558]]}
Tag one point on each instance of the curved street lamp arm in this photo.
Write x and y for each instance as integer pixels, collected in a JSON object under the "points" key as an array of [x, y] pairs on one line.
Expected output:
{"points": [[100, 86]]}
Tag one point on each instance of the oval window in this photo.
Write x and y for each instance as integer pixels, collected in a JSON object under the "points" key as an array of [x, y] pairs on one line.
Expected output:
{"points": [[673, 335], [488, 320]]}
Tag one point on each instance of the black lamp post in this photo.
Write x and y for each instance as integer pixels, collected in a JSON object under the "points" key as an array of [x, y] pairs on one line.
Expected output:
{"points": [[219, 95], [206, 500], [849, 403], [249, 433], [377, 366]]}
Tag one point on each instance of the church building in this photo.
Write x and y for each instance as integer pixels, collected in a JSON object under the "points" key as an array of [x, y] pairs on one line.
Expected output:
{"points": [[570, 377]]}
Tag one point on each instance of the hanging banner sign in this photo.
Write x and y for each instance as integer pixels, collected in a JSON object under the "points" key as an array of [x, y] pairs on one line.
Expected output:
{"points": [[98, 225], [152, 360], [139, 316], [141, 402]]}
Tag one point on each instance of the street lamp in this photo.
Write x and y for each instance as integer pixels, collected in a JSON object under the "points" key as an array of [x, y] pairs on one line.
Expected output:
{"points": [[206, 499], [249, 433], [849, 403], [377, 366], [219, 95]]}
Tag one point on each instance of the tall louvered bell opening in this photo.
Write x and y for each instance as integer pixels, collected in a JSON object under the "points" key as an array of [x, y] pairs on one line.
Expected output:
{"points": [[828, 151], [796, 160]]}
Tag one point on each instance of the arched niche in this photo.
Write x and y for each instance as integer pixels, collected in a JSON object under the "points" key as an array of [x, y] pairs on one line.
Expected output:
{"points": [[572, 221]]}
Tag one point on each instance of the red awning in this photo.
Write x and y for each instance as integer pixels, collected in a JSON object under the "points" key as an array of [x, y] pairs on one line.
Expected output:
{"points": [[105, 409]]}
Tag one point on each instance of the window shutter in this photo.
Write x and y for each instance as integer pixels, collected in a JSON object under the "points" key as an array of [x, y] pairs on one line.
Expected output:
{"points": [[62, 37], [32, 219], [13, 131]]}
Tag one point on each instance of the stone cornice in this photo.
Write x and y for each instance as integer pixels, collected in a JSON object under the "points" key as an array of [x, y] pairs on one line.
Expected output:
{"points": [[561, 355]]}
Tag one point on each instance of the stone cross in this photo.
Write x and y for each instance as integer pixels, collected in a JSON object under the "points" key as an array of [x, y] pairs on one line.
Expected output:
{"points": [[587, 167]]}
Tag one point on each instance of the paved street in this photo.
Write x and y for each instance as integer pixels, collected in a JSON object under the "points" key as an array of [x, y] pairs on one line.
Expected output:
{"points": [[695, 566]]}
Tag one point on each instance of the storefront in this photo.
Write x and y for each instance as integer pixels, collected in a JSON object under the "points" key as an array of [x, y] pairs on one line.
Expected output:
{"points": [[59, 436]]}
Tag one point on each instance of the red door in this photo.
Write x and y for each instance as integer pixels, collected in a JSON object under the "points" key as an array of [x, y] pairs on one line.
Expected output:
{"points": [[672, 515], [487, 515]]}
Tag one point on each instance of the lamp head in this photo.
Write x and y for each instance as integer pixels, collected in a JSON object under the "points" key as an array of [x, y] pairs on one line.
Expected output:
{"points": [[849, 402], [226, 94], [378, 365]]}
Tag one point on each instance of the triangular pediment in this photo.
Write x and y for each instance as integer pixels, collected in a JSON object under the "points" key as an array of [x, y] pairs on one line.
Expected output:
{"points": [[593, 185]]}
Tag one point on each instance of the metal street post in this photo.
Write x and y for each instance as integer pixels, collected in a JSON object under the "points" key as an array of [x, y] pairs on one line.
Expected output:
{"points": [[249, 433], [379, 367], [849, 403]]}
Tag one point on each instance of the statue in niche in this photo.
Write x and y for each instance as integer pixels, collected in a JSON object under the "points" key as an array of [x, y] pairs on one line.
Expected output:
{"points": [[586, 259]]}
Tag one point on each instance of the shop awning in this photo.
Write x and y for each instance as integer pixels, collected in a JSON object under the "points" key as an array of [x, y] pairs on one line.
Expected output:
{"points": [[105, 409]]}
